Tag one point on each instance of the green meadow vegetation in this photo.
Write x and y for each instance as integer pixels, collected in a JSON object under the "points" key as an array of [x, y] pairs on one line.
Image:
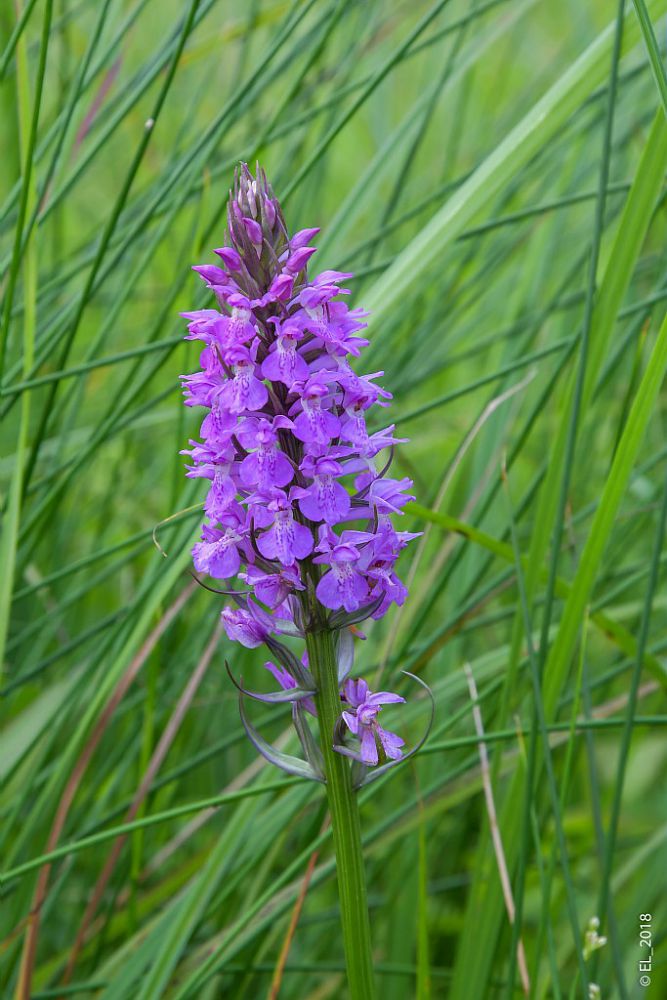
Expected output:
{"points": [[493, 172]]}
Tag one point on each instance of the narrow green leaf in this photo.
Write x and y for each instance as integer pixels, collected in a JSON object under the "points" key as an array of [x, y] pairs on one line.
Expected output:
{"points": [[28, 121], [657, 64], [531, 134]]}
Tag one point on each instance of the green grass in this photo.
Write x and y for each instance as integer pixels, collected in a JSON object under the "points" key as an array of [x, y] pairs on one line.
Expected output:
{"points": [[493, 172]]}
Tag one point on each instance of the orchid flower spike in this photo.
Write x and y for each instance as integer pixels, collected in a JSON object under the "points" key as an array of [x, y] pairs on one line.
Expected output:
{"points": [[299, 505]]}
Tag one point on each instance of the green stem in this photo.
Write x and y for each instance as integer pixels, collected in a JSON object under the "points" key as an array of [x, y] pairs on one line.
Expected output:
{"points": [[344, 821]]}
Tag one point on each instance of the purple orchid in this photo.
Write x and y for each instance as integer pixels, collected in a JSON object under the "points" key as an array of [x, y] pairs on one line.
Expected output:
{"points": [[289, 458]]}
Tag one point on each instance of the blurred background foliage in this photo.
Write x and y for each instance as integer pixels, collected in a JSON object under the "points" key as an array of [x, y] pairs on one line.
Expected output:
{"points": [[475, 226]]}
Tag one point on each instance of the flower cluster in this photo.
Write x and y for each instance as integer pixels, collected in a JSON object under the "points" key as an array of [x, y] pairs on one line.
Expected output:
{"points": [[296, 506], [592, 940]]}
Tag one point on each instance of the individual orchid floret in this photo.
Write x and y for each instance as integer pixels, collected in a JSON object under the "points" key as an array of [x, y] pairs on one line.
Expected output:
{"points": [[325, 499], [384, 496], [267, 465], [273, 589], [343, 586], [284, 364], [280, 289], [315, 425], [285, 538], [302, 237], [298, 259], [212, 275], [289, 683], [324, 288], [245, 391], [361, 720], [230, 258], [249, 627], [204, 324], [219, 552], [218, 465]]}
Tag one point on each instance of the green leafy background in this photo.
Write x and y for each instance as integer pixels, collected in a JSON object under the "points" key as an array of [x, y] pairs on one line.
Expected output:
{"points": [[493, 173]]}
